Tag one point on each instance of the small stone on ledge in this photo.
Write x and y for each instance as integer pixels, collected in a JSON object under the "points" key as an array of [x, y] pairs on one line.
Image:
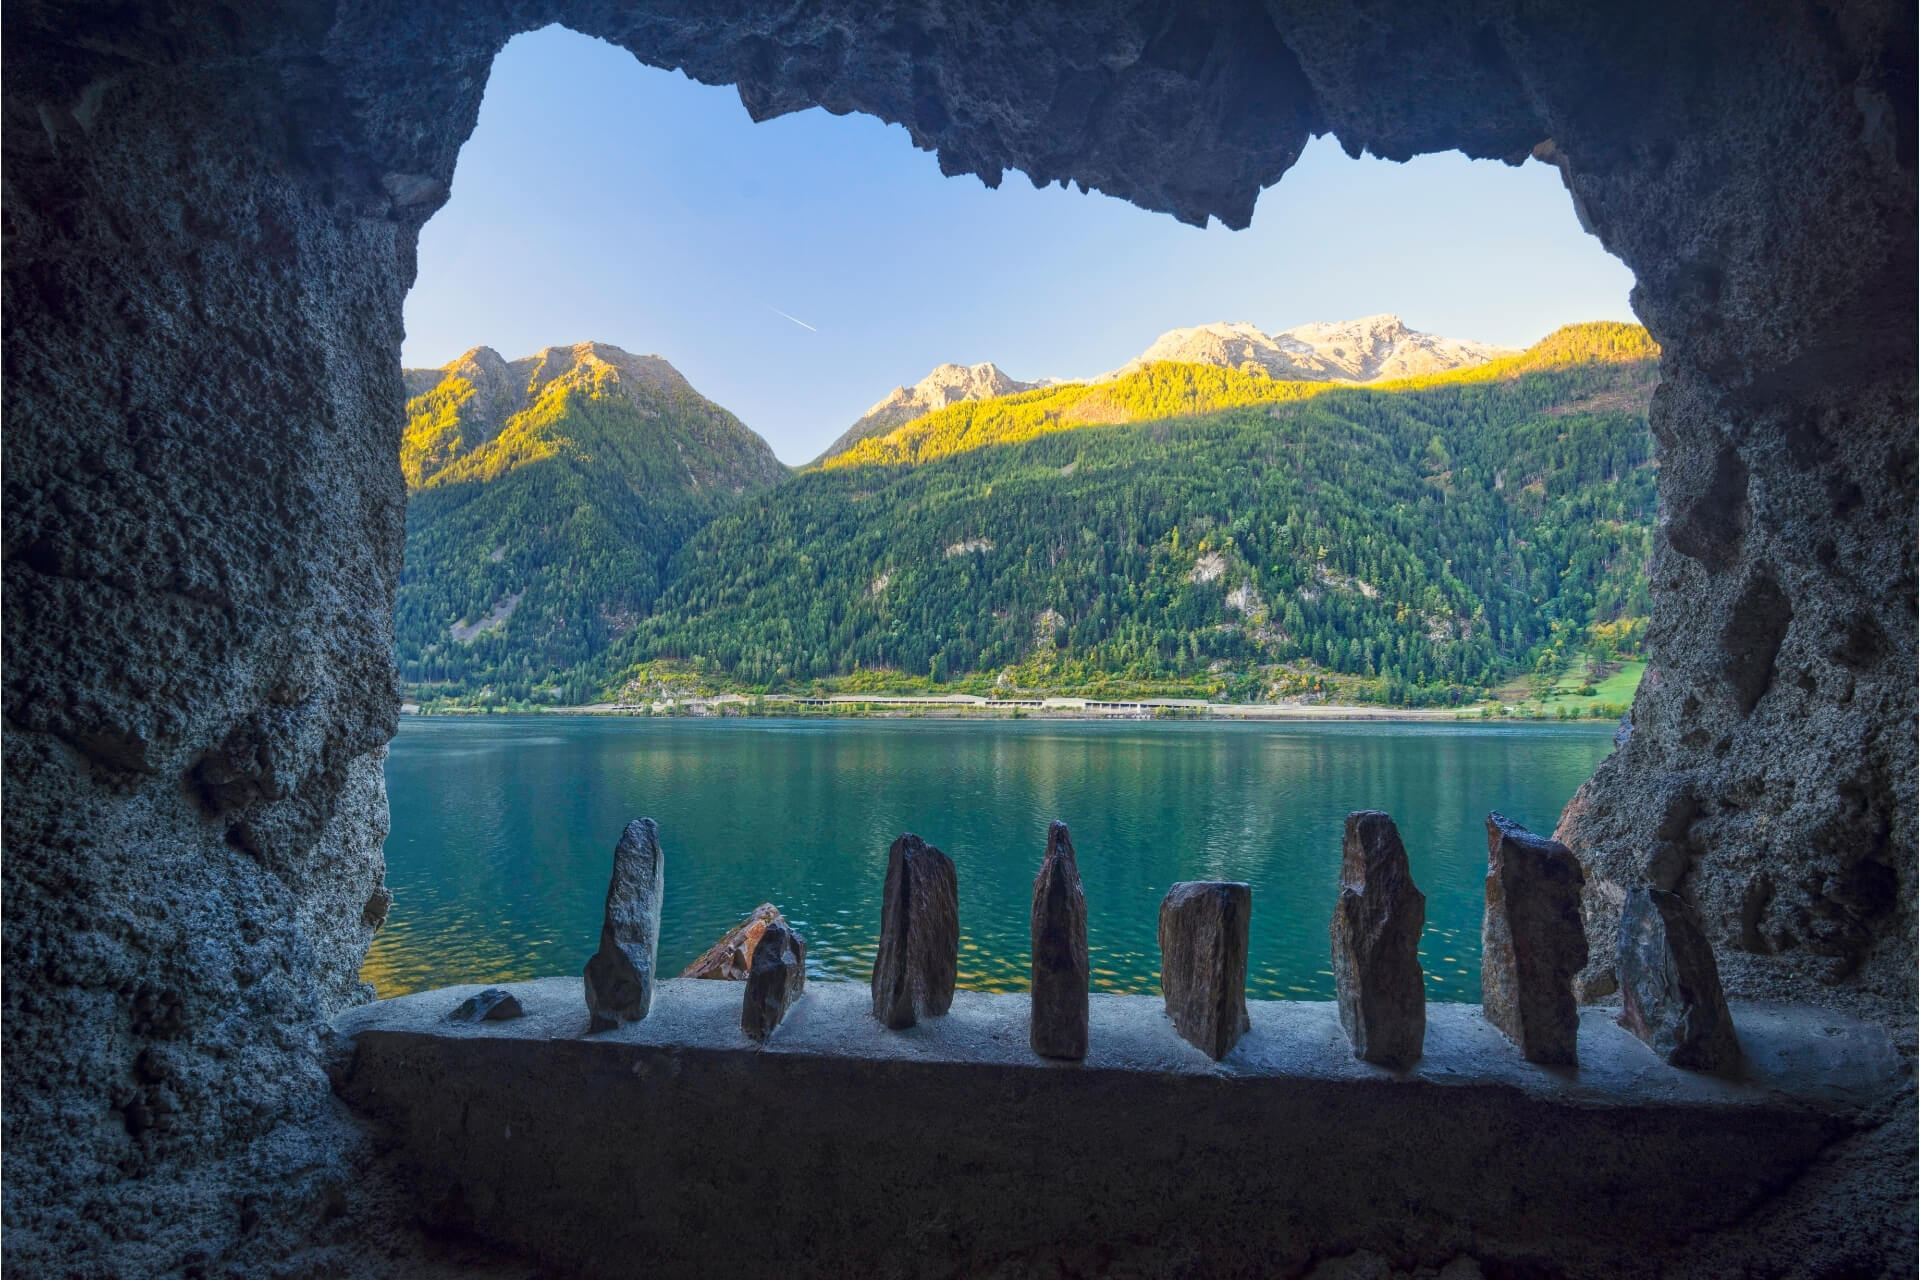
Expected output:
{"points": [[778, 979], [491, 1005], [1203, 962]]}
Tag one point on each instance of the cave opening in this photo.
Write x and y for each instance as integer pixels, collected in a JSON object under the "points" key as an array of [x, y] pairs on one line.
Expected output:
{"points": [[689, 239]]}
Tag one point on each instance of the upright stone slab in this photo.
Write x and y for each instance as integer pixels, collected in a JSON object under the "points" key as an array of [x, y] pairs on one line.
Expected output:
{"points": [[1061, 970], [620, 975], [1670, 983], [1532, 941], [919, 954], [1203, 962], [1376, 944], [777, 979]]}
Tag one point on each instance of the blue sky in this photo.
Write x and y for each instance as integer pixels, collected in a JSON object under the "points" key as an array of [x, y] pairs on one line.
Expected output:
{"points": [[599, 198]]}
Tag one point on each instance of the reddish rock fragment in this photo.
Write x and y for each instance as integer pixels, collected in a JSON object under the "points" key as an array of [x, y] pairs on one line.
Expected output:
{"points": [[731, 958], [1532, 941], [1376, 944], [919, 955], [1203, 962], [1061, 970]]}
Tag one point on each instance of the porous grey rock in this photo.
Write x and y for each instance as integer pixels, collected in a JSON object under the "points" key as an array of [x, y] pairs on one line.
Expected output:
{"points": [[620, 975], [777, 980], [1376, 944], [1670, 985], [731, 958], [1532, 941], [919, 954], [1203, 962], [1061, 968], [491, 1005]]}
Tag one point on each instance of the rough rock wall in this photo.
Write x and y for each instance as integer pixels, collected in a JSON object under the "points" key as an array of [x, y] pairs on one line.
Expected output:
{"points": [[210, 215], [203, 526]]}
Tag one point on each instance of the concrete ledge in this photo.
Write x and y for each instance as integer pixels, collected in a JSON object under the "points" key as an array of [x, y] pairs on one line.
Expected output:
{"points": [[839, 1147]]}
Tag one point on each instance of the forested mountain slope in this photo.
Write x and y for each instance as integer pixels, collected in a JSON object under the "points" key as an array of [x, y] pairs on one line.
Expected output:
{"points": [[545, 497], [1437, 533]]}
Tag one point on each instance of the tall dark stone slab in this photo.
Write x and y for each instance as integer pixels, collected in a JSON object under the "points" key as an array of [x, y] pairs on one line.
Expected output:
{"points": [[1532, 941], [1670, 983], [919, 953], [1376, 944], [1203, 962], [777, 978], [1061, 969], [620, 975]]}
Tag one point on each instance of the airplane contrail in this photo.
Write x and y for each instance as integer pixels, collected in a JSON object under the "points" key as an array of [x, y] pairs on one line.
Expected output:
{"points": [[783, 315]]}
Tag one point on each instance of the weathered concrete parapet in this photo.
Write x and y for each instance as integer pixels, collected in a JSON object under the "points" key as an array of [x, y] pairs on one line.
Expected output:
{"points": [[1061, 968], [1376, 944], [919, 953], [1670, 984], [1532, 941], [1255, 1164], [1203, 961], [620, 975]]}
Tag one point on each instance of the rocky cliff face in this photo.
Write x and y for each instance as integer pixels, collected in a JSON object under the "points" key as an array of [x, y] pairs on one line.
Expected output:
{"points": [[210, 224], [1371, 349], [947, 384]]}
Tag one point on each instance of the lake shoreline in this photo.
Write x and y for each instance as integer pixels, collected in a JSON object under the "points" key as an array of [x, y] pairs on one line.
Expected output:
{"points": [[854, 708]]}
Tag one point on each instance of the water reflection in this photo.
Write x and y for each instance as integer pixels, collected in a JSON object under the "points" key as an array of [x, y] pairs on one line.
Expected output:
{"points": [[503, 830]]}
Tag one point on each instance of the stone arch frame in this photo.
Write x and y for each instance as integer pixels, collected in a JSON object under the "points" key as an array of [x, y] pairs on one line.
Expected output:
{"points": [[209, 219]]}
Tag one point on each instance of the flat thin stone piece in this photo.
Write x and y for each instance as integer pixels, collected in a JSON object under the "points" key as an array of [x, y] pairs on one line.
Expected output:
{"points": [[1670, 983], [1061, 969], [731, 958], [1203, 962], [620, 975], [491, 1005], [1532, 941], [778, 979], [1376, 944], [919, 953]]}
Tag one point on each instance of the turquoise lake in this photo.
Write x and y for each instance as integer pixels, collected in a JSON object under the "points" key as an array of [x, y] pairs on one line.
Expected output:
{"points": [[503, 831]]}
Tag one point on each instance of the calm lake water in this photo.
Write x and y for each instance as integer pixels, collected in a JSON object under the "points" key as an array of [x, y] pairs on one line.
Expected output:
{"points": [[503, 832]]}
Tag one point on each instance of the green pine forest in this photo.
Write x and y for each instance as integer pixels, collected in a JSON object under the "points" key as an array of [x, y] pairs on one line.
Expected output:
{"points": [[1185, 530]]}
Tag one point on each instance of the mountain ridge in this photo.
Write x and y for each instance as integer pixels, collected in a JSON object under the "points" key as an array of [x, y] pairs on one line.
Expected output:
{"points": [[1368, 349], [945, 385], [1165, 389], [545, 496], [568, 527]]}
